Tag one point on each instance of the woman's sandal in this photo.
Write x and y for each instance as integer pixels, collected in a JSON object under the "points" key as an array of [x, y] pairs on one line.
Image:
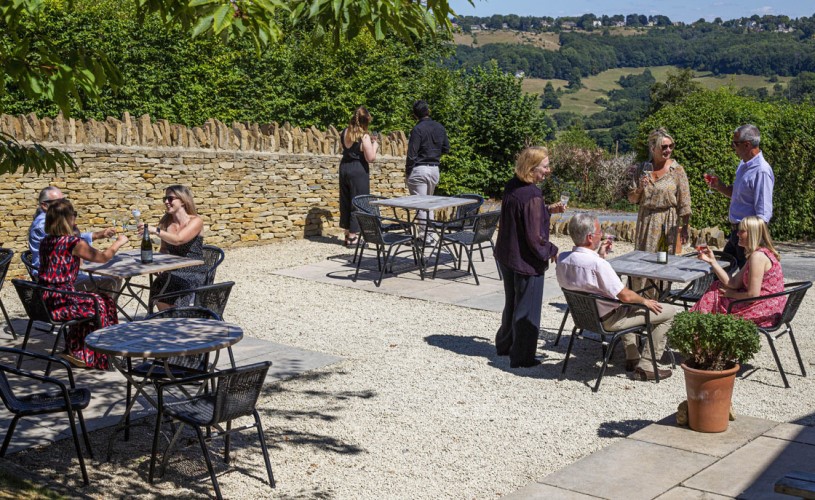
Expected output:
{"points": [[351, 241]]}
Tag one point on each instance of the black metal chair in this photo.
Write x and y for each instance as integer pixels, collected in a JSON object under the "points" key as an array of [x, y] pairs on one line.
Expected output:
{"points": [[28, 262], [235, 395], [56, 397], [463, 214], [31, 296], [371, 229], [586, 317], [694, 290], [465, 241], [795, 295], [213, 297], [5, 260], [213, 257], [362, 203]]}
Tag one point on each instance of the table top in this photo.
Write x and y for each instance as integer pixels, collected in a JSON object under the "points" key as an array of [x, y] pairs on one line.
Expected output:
{"points": [[163, 338], [642, 264], [128, 264], [423, 202]]}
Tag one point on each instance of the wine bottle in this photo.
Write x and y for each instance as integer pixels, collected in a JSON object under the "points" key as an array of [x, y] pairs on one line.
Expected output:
{"points": [[662, 246], [146, 247]]}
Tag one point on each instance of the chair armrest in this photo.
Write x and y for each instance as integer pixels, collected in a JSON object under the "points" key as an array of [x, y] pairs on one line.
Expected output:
{"points": [[41, 378], [791, 287]]}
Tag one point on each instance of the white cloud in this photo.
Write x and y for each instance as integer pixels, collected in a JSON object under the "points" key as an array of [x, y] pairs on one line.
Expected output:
{"points": [[765, 11]]}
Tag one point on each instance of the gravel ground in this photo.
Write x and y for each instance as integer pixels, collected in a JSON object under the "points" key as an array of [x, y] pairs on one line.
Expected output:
{"points": [[420, 407]]}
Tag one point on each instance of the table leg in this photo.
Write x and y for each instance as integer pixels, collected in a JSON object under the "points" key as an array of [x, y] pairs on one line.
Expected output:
{"points": [[124, 422]]}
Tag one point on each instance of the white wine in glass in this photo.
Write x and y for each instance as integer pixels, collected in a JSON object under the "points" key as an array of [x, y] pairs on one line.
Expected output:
{"points": [[564, 198], [115, 217]]}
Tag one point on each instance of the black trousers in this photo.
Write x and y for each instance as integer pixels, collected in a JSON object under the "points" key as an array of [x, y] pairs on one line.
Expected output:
{"points": [[354, 181], [520, 321], [732, 248]]}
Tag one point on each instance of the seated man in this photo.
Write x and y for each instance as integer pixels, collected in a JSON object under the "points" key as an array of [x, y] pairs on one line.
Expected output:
{"points": [[584, 269], [37, 232]]}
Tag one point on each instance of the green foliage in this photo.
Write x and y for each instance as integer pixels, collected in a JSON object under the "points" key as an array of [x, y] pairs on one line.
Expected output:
{"points": [[550, 99], [32, 158], [702, 125], [676, 87], [713, 341]]}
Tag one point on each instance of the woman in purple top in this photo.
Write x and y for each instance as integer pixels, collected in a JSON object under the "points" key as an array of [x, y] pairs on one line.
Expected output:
{"points": [[523, 252]]}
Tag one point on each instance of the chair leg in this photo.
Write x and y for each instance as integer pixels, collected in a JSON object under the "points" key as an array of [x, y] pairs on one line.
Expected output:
{"points": [[128, 396], [568, 353], [25, 342], [650, 339], [209, 463], [9, 432], [471, 266], [63, 331], [227, 440], [384, 266], [562, 325], [85, 433], [264, 449], [8, 320], [154, 449], [359, 263], [78, 448], [777, 359], [356, 249], [606, 356], [797, 352]]}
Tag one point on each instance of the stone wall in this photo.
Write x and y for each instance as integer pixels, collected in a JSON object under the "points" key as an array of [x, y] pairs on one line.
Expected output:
{"points": [[252, 184]]}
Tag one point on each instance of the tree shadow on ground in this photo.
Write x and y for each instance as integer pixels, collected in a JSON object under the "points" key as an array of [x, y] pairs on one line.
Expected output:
{"points": [[622, 428]]}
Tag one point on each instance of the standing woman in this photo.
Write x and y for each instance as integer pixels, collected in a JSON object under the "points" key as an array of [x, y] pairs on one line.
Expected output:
{"points": [[523, 253], [181, 233], [61, 252], [358, 149], [663, 196]]}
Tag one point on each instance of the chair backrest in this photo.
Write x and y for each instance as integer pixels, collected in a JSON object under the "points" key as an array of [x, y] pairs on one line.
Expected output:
{"points": [[485, 225], [213, 297], [583, 308], [28, 262], [796, 293], [213, 256], [238, 390], [186, 312], [371, 228], [363, 204], [5, 260], [470, 209], [31, 297]]}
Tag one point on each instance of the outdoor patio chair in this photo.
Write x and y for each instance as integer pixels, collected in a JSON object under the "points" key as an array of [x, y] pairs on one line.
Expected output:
{"points": [[462, 214], [586, 317], [56, 397], [28, 262], [466, 241], [213, 257], [371, 229], [694, 290], [5, 260], [31, 296], [362, 203], [235, 395], [795, 295], [213, 297]]}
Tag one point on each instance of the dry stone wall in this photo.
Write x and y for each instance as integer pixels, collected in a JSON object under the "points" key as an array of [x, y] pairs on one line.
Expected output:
{"points": [[252, 184]]}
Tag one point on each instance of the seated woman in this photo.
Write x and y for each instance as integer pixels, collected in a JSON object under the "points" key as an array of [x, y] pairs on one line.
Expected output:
{"points": [[761, 275], [181, 233], [61, 252]]}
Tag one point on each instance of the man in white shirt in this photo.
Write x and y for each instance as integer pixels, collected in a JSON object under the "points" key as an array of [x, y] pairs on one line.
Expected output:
{"points": [[585, 269]]}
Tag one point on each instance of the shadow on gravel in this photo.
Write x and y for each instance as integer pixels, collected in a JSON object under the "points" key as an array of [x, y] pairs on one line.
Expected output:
{"points": [[623, 428]]}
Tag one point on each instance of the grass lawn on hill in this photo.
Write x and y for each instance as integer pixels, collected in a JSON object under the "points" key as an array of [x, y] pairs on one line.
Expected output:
{"points": [[548, 41]]}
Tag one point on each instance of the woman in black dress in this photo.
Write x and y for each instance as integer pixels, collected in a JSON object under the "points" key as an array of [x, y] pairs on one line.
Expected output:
{"points": [[181, 233], [358, 149]]}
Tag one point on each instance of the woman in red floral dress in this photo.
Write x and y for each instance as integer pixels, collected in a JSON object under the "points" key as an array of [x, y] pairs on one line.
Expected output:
{"points": [[761, 275], [60, 255]]}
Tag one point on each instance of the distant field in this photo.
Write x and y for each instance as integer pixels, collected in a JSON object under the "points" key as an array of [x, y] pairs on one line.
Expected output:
{"points": [[582, 101], [548, 41]]}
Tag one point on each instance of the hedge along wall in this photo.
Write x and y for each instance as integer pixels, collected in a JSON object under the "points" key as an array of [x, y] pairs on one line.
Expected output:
{"points": [[253, 185]]}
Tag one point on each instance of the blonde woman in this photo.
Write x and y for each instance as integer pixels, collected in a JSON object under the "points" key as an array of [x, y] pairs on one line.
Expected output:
{"points": [[181, 233], [761, 275], [523, 252], [358, 150]]}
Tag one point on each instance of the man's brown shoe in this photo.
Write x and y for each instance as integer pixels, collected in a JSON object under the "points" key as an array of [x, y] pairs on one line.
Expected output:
{"points": [[645, 375]]}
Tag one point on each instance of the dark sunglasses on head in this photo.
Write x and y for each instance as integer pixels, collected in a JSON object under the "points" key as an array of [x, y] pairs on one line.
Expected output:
{"points": [[170, 198], [666, 147]]}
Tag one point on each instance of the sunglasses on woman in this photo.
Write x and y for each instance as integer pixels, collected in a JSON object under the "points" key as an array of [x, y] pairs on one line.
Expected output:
{"points": [[666, 147], [170, 198]]}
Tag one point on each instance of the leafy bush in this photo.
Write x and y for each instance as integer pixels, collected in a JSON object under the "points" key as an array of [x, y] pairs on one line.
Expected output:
{"points": [[713, 341]]}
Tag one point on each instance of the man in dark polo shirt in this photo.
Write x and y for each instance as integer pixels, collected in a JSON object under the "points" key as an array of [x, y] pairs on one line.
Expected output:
{"points": [[428, 141]]}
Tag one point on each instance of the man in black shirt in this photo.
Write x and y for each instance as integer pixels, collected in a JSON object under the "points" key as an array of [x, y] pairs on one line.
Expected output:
{"points": [[428, 141]]}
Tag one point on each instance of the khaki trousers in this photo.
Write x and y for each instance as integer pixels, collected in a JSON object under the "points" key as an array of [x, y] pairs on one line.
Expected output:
{"points": [[627, 317]]}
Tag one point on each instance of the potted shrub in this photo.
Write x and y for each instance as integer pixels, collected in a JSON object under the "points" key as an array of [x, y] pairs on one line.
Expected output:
{"points": [[713, 345]]}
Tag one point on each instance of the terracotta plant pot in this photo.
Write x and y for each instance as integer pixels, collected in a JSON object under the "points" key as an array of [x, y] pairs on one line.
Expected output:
{"points": [[709, 396]]}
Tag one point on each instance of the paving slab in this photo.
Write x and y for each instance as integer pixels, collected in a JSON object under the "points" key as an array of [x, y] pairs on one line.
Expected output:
{"points": [[752, 470], [682, 493], [540, 491], [740, 432], [606, 473], [793, 432]]}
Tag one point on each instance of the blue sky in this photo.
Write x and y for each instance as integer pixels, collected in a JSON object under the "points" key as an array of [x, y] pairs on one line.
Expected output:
{"points": [[685, 10]]}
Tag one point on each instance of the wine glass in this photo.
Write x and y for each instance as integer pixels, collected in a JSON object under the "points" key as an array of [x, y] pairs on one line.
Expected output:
{"points": [[610, 235], [115, 217], [700, 244], [136, 214], [710, 176], [647, 168], [564, 198]]}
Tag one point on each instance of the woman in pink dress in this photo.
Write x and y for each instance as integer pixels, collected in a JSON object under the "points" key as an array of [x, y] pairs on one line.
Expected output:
{"points": [[762, 275]]}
